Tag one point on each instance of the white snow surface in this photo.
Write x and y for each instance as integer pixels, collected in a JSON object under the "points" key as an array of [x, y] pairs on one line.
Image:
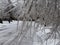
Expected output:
{"points": [[8, 32]]}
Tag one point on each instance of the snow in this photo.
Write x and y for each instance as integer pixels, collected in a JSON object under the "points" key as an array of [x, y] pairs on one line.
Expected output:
{"points": [[8, 32]]}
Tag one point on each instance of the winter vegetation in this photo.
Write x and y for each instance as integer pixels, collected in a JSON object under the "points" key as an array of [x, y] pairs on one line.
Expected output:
{"points": [[36, 22]]}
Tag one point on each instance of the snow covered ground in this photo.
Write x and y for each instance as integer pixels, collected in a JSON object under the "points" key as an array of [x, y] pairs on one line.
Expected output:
{"points": [[9, 34]]}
